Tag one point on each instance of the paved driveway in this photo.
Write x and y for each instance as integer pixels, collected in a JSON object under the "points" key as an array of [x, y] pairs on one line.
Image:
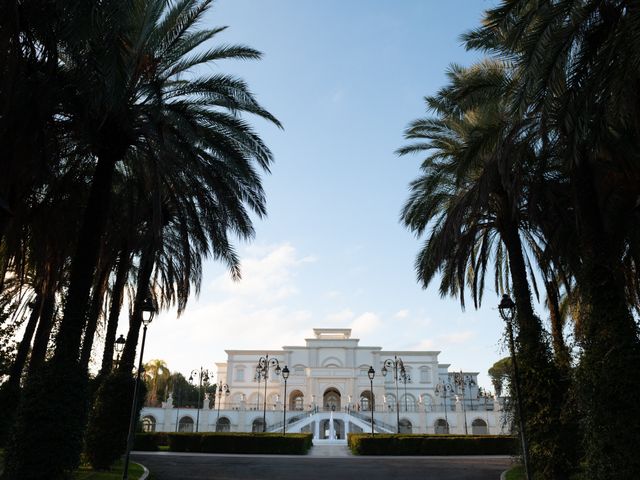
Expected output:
{"points": [[178, 466]]}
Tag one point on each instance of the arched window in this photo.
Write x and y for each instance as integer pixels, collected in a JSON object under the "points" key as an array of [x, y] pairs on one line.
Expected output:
{"points": [[257, 425], [408, 403], [405, 426], [367, 401], [296, 401], [223, 425], [148, 424], [479, 427], [185, 424], [441, 426], [425, 375]]}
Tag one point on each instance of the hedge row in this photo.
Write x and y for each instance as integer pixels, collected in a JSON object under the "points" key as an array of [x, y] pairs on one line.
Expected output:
{"points": [[268, 443], [383, 444]]}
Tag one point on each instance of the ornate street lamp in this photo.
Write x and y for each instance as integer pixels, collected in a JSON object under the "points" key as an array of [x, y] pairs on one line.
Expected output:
{"points": [[285, 376], [371, 373], [147, 310], [262, 371], [399, 373], [220, 389], [203, 376], [119, 347], [462, 381], [406, 379], [442, 389], [508, 312]]}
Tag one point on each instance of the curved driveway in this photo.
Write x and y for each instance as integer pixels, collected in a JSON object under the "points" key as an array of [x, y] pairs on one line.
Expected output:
{"points": [[179, 466]]}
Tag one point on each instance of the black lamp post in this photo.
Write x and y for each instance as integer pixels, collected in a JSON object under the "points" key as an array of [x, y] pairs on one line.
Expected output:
{"points": [[398, 373], [203, 376], [462, 381], [220, 389], [262, 371], [285, 375], [406, 379], [508, 312], [441, 390], [119, 347], [371, 373], [147, 310]]}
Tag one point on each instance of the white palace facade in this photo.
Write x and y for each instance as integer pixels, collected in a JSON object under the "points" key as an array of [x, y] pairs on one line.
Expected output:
{"points": [[329, 393]]}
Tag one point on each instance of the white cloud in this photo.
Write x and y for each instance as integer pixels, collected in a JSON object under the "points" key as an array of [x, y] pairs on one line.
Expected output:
{"points": [[340, 317], [268, 274], [366, 323], [404, 313]]}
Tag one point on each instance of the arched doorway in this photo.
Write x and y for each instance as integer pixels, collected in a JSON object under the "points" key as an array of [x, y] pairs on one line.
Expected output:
{"points": [[479, 427], [185, 424], [405, 426], [367, 401], [223, 425], [149, 424], [441, 426], [257, 425], [296, 401], [331, 400]]}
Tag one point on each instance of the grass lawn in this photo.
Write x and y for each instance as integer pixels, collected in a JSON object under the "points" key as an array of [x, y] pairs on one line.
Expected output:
{"points": [[85, 472], [515, 473]]}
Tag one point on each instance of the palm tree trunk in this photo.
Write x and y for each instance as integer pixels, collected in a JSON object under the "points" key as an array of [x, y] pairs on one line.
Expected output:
{"points": [[117, 294], [94, 315], [540, 383], [561, 353], [25, 345], [135, 321], [609, 342], [84, 263], [45, 325]]}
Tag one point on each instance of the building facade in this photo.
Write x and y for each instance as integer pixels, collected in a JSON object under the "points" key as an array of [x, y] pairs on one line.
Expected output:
{"points": [[329, 392]]}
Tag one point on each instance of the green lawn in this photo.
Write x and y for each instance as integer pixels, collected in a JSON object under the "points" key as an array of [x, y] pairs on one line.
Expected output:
{"points": [[85, 472], [515, 473]]}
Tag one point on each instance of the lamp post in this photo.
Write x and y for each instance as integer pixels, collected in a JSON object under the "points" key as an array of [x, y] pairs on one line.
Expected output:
{"points": [[371, 373], [119, 347], [203, 376], [406, 379], [398, 373], [462, 381], [285, 375], [507, 311], [220, 389], [147, 310], [262, 371], [441, 390]]}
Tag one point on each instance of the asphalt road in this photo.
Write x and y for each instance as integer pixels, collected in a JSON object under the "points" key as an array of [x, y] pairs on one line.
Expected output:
{"points": [[171, 466]]}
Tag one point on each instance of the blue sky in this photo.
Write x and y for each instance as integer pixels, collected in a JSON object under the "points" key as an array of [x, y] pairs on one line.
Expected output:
{"points": [[345, 78]]}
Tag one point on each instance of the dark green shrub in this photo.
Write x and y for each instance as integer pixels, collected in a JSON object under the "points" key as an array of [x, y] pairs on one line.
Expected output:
{"points": [[9, 399], [146, 442], [50, 400], [108, 427], [383, 444], [264, 443]]}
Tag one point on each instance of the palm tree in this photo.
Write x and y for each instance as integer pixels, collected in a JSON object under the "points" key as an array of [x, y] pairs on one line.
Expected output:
{"points": [[158, 374], [134, 93], [472, 197], [578, 69]]}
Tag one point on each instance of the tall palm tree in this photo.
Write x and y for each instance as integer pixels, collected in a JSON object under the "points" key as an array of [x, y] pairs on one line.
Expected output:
{"points": [[134, 87], [578, 65], [471, 197]]}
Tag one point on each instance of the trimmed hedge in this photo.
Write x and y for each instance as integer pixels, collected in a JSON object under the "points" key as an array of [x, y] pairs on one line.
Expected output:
{"points": [[149, 442], [268, 443], [387, 444]]}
